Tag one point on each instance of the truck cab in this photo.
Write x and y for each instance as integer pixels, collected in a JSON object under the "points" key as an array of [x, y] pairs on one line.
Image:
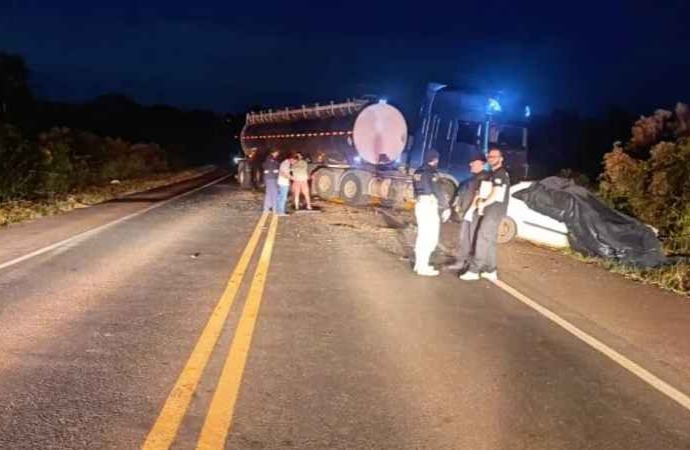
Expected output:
{"points": [[457, 123]]}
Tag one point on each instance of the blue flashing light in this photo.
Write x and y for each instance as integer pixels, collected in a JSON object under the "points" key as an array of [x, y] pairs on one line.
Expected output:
{"points": [[528, 111], [494, 106], [383, 101]]}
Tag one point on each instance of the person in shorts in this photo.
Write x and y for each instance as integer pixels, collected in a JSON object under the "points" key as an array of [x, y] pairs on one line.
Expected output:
{"points": [[300, 180]]}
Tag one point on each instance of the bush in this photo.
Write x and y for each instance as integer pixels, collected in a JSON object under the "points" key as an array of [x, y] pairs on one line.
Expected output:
{"points": [[87, 157], [622, 183], [55, 172], [63, 160], [153, 157], [18, 163], [650, 176]]}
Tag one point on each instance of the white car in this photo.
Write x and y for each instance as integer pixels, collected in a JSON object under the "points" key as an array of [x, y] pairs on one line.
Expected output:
{"points": [[525, 223]]}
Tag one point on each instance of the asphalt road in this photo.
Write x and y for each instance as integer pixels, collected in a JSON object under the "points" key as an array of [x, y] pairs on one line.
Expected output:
{"points": [[121, 340]]}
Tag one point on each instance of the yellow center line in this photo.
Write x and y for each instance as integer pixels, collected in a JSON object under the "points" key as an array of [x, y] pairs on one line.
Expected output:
{"points": [[219, 418], [165, 429]]}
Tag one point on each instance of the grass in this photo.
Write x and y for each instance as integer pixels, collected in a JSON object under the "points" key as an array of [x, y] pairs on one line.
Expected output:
{"points": [[22, 210], [673, 277]]}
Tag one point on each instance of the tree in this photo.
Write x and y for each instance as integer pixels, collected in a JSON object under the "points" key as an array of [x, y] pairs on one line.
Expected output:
{"points": [[649, 176], [18, 162], [15, 94]]}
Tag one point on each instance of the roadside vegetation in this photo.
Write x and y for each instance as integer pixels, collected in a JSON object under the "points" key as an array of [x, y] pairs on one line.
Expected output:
{"points": [[648, 177], [49, 164]]}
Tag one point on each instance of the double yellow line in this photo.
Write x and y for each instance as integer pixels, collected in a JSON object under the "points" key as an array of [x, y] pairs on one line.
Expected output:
{"points": [[218, 420]]}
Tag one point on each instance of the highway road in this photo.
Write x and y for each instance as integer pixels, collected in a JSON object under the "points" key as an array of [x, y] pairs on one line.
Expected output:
{"points": [[199, 322]]}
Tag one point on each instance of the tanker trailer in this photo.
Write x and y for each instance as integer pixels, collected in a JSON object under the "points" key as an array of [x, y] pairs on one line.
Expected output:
{"points": [[353, 148]]}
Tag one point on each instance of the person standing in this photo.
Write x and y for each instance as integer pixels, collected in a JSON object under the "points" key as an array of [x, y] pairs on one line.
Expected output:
{"points": [[429, 196], [492, 210], [271, 169], [284, 178], [300, 184], [466, 198]]}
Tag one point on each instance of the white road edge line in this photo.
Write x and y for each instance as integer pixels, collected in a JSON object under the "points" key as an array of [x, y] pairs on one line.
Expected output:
{"points": [[621, 360], [84, 234]]}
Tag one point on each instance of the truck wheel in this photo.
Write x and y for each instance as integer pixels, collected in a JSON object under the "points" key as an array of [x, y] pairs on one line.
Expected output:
{"points": [[352, 189], [324, 183], [449, 188], [507, 230], [244, 177], [396, 195]]}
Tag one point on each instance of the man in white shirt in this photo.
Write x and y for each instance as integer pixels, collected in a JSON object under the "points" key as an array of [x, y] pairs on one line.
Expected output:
{"points": [[284, 178]]}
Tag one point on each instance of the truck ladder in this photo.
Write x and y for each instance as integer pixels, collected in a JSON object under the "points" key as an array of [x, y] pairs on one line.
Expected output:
{"points": [[307, 112]]}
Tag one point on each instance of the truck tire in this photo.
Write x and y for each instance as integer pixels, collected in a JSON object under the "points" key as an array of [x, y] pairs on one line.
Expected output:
{"points": [[449, 188], [324, 183], [352, 188], [507, 230], [244, 175], [396, 195]]}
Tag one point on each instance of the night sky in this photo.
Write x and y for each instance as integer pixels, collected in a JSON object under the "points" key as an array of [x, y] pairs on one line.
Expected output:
{"points": [[228, 55]]}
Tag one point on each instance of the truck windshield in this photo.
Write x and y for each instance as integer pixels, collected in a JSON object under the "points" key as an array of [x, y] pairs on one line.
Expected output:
{"points": [[469, 132], [508, 137]]}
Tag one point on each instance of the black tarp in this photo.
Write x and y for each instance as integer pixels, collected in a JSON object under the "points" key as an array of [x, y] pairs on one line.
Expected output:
{"points": [[594, 229]]}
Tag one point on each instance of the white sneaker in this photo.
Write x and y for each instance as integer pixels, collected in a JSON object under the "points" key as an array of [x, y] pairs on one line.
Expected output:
{"points": [[469, 276], [427, 272], [491, 276]]}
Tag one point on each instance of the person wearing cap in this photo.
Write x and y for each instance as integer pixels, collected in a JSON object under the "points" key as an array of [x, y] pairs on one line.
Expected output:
{"points": [[465, 205], [429, 197], [271, 171], [492, 208]]}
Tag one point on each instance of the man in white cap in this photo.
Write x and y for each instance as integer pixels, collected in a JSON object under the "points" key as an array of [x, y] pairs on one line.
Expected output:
{"points": [[466, 198]]}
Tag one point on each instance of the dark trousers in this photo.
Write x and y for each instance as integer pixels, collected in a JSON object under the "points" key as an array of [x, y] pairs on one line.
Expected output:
{"points": [[484, 259], [271, 198], [466, 241]]}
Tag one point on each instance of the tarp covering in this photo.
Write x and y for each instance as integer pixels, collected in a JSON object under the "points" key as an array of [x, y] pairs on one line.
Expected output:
{"points": [[594, 229]]}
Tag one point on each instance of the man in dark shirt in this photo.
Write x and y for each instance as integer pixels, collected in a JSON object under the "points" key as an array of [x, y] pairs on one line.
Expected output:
{"points": [[429, 197], [492, 209], [466, 208], [271, 170]]}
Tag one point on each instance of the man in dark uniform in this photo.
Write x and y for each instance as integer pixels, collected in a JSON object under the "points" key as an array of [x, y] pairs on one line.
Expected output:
{"points": [[466, 208], [271, 170], [492, 208], [429, 196]]}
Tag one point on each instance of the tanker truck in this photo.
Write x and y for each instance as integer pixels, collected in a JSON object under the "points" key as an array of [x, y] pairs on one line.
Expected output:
{"points": [[360, 150]]}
